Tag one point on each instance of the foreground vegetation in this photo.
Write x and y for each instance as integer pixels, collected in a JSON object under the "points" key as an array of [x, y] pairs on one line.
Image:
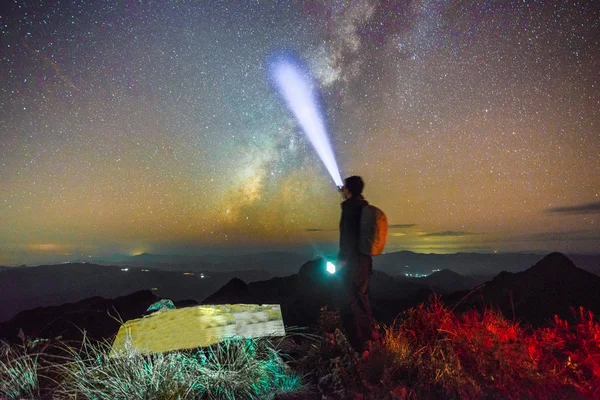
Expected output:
{"points": [[234, 369], [428, 353]]}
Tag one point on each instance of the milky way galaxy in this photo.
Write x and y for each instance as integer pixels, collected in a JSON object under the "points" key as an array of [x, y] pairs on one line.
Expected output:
{"points": [[153, 126]]}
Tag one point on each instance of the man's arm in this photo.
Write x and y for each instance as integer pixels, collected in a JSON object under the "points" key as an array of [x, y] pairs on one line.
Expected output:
{"points": [[347, 239]]}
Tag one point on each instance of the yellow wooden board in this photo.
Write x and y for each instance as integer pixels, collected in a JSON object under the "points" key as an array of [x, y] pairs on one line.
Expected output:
{"points": [[199, 326]]}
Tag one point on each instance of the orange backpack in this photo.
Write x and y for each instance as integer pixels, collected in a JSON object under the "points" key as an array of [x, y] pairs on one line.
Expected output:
{"points": [[373, 231]]}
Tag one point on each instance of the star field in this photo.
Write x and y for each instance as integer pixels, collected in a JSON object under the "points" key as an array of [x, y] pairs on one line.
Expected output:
{"points": [[153, 126]]}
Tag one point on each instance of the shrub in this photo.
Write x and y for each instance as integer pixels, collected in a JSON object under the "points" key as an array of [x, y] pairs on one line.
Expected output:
{"points": [[18, 373], [92, 374], [243, 369], [429, 352], [423, 355], [233, 369], [569, 354]]}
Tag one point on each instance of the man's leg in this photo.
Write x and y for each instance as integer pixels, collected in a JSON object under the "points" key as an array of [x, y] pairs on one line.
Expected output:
{"points": [[360, 304], [344, 301]]}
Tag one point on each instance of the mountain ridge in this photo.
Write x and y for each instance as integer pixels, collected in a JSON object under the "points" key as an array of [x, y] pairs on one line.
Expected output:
{"points": [[26, 288], [554, 285]]}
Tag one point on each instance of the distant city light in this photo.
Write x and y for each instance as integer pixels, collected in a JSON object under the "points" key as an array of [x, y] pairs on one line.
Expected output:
{"points": [[124, 269], [415, 275], [188, 273]]}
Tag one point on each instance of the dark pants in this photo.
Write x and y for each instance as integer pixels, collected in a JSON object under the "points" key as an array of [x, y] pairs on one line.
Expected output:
{"points": [[354, 304]]}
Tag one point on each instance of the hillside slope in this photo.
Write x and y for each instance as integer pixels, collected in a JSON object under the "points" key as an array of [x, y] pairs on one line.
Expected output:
{"points": [[554, 285]]}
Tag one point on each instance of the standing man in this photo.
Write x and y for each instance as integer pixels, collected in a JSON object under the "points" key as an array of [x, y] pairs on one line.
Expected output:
{"points": [[355, 268]]}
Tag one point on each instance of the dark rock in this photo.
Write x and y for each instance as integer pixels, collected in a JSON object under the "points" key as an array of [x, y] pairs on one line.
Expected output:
{"points": [[185, 303]]}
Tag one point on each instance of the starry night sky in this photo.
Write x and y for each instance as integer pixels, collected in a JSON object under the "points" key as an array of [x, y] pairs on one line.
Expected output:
{"points": [[152, 126]]}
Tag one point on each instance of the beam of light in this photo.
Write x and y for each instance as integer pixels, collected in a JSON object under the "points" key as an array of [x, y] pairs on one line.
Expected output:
{"points": [[296, 88]]}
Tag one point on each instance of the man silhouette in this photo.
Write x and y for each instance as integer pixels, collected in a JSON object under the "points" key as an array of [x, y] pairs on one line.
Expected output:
{"points": [[354, 268]]}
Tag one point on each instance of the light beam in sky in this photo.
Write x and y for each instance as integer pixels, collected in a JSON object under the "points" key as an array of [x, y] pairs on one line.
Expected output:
{"points": [[297, 90], [163, 128]]}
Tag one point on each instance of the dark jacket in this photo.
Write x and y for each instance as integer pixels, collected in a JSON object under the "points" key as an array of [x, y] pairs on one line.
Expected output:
{"points": [[349, 227]]}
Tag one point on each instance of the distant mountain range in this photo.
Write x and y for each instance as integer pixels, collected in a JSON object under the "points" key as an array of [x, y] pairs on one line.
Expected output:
{"points": [[99, 317], [303, 294], [401, 262], [447, 281], [285, 263], [25, 288], [277, 263], [551, 286]]}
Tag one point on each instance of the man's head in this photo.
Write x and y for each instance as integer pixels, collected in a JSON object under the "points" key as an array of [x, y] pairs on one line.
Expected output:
{"points": [[353, 186]]}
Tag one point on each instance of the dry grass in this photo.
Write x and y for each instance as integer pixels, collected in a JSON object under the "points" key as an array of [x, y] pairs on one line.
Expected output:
{"points": [[18, 373], [91, 373], [233, 369], [430, 353]]}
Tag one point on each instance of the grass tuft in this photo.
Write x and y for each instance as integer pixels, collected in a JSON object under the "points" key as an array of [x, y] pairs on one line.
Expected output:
{"points": [[18, 373], [244, 368], [92, 374], [233, 369]]}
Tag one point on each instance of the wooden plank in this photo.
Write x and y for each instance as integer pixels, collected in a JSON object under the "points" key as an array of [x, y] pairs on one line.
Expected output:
{"points": [[200, 326]]}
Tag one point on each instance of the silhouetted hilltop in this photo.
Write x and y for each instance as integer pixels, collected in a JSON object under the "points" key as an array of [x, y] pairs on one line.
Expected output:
{"points": [[552, 286], [311, 277], [236, 291], [558, 265], [448, 281], [98, 316], [302, 295]]}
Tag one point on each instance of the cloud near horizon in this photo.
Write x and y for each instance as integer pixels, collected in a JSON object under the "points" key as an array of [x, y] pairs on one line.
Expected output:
{"points": [[587, 208], [390, 226], [449, 234], [582, 234]]}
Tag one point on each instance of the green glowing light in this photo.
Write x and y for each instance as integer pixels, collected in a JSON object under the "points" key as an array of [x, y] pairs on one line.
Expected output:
{"points": [[330, 267]]}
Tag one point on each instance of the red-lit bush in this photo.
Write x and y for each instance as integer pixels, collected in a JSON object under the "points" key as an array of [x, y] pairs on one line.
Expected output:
{"points": [[570, 352], [430, 352]]}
